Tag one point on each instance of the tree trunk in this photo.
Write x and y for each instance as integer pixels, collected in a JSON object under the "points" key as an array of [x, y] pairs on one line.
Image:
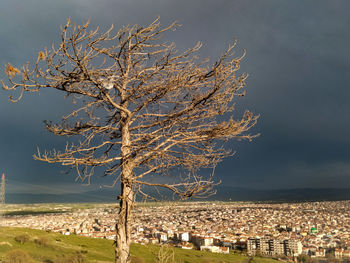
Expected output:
{"points": [[123, 226], [124, 223]]}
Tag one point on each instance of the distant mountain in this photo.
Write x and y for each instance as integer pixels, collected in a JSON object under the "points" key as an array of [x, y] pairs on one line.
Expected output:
{"points": [[224, 193], [99, 196]]}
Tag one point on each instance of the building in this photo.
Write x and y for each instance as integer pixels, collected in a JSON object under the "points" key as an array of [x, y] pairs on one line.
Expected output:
{"points": [[269, 246]]}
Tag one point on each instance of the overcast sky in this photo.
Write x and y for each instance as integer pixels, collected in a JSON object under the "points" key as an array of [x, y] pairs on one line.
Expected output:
{"points": [[298, 60]]}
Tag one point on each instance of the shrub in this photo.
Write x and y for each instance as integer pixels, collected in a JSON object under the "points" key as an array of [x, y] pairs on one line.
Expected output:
{"points": [[75, 258], [18, 256], [135, 259], [165, 255], [22, 238], [41, 242]]}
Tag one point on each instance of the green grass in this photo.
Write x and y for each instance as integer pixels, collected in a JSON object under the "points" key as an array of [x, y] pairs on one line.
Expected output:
{"points": [[57, 245], [149, 252], [54, 245]]}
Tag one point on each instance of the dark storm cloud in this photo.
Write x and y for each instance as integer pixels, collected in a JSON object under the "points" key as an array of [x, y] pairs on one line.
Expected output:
{"points": [[297, 57]]}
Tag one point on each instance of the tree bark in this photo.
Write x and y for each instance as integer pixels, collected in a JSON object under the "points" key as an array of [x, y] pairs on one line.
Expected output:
{"points": [[124, 223], [123, 226]]}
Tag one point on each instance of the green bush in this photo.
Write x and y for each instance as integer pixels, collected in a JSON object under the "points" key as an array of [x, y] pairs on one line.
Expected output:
{"points": [[22, 238], [18, 256]]}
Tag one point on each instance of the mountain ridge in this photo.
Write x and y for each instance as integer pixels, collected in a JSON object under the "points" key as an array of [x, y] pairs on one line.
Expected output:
{"points": [[224, 193]]}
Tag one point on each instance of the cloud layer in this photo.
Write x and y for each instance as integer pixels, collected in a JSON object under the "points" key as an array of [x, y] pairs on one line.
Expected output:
{"points": [[297, 57]]}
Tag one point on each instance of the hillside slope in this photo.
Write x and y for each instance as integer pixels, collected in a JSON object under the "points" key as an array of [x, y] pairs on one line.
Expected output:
{"points": [[49, 247]]}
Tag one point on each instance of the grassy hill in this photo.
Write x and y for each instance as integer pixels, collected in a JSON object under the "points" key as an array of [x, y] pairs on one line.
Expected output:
{"points": [[49, 247]]}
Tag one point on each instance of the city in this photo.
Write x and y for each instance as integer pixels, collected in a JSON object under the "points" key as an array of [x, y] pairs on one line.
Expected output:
{"points": [[289, 229]]}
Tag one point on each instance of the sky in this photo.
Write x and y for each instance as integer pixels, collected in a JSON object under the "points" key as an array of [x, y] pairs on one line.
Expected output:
{"points": [[298, 61]]}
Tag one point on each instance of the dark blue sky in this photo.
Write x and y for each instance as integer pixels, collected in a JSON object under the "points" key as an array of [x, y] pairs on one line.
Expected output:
{"points": [[298, 59]]}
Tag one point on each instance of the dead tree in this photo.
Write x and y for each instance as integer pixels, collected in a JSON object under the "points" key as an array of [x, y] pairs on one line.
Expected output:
{"points": [[141, 109]]}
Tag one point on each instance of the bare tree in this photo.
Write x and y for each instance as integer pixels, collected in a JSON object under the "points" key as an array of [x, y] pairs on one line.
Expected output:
{"points": [[165, 255], [141, 109]]}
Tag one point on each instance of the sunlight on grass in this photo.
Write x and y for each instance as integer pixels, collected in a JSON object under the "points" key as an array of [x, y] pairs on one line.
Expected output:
{"points": [[44, 246]]}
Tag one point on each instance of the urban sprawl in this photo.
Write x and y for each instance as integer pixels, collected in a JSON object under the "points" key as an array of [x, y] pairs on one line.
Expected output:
{"points": [[289, 229]]}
